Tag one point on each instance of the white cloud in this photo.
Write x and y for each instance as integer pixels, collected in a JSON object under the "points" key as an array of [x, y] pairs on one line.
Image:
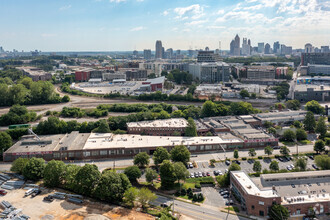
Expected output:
{"points": [[165, 13], [192, 11], [215, 27], [221, 12], [117, 1], [140, 28], [65, 7], [196, 22]]}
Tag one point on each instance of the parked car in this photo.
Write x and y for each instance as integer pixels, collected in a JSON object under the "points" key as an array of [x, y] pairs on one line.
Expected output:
{"points": [[29, 192], [226, 196], [48, 198], [226, 170], [293, 186], [207, 174], [311, 157], [3, 192], [276, 147], [224, 192], [230, 202], [215, 173], [200, 174], [163, 205], [238, 162], [35, 193], [204, 174], [315, 167], [192, 175], [227, 162], [219, 172]]}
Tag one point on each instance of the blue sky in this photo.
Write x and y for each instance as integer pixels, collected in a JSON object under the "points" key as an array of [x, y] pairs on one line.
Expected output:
{"points": [[108, 25]]}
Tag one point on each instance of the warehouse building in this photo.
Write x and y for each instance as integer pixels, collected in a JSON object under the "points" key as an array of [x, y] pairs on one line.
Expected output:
{"points": [[298, 192], [281, 118], [35, 73], [86, 146]]}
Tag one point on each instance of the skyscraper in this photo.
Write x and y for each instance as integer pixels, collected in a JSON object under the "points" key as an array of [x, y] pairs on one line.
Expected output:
{"points": [[261, 47], [237, 49], [159, 50], [232, 46], [147, 54], [309, 48], [245, 47], [276, 47], [267, 48]]}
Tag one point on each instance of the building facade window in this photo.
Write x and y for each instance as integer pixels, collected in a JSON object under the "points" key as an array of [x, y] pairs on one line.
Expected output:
{"points": [[95, 153], [103, 152], [87, 154]]}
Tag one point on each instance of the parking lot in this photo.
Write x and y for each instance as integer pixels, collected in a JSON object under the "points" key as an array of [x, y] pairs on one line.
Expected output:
{"points": [[245, 166]]}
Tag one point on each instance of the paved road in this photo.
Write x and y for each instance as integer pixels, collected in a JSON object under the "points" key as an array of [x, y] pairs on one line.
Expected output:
{"points": [[203, 212]]}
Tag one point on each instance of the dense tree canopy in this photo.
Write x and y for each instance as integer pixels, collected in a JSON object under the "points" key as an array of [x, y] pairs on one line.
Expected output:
{"points": [[133, 173], [160, 155], [5, 141], [314, 107], [191, 130], [86, 179], [34, 169], [180, 153], [309, 121], [142, 159], [167, 175], [53, 173]]}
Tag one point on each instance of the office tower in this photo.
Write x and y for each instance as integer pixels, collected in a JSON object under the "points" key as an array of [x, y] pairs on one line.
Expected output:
{"points": [[245, 47], [232, 45], [309, 48], [159, 50], [169, 53], [325, 49], [261, 47], [267, 48], [178, 52], [249, 42], [147, 54], [163, 52], [237, 49], [135, 53], [315, 58], [286, 50], [276, 47], [2, 50], [208, 56]]}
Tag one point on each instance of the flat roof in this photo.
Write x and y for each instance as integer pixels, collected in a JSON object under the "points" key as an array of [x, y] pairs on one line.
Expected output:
{"points": [[304, 87], [170, 123], [250, 187], [130, 141]]}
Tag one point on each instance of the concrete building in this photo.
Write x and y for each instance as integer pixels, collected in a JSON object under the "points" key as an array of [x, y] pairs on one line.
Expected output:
{"points": [[309, 48], [35, 73], [246, 50], [267, 49], [281, 118], [325, 49], [276, 47], [136, 75], [156, 84], [261, 47], [281, 72], [316, 69], [315, 58], [298, 192], [87, 146], [208, 56], [166, 127], [110, 76], [147, 54], [260, 72], [286, 50], [159, 50], [210, 72], [83, 74], [305, 93]]}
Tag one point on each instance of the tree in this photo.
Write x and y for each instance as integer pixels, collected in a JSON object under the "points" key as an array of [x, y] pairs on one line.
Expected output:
{"points": [[209, 109], [5, 141], [297, 124], [18, 165], [323, 161], [309, 121], [272, 131], [252, 152], [284, 150], [314, 107], [244, 93], [167, 175], [111, 186], [301, 163], [268, 124], [53, 173], [142, 159], [86, 179], [289, 135], [321, 127], [234, 166], [130, 196], [236, 154], [191, 130], [268, 150], [70, 175], [257, 166], [223, 180], [133, 173], [319, 146], [151, 175], [160, 155], [145, 196], [293, 104], [180, 153], [301, 134], [66, 98], [180, 171], [278, 212], [103, 127], [34, 169], [274, 165]]}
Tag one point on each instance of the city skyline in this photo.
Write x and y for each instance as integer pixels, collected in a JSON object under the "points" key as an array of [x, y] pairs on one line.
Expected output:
{"points": [[127, 25]]}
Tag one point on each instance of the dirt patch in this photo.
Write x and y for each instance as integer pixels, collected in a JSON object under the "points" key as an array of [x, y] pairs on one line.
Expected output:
{"points": [[36, 208]]}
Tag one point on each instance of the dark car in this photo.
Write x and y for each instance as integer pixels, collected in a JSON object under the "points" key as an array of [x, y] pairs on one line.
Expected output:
{"points": [[238, 162], [227, 162], [3, 192], [35, 193], [163, 205], [315, 167], [48, 198], [281, 159], [215, 173], [311, 157]]}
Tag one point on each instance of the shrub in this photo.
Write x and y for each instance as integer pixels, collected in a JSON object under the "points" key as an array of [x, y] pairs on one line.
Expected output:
{"points": [[243, 158], [198, 185], [260, 157], [183, 192]]}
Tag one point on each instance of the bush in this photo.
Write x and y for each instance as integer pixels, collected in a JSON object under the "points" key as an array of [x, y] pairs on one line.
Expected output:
{"points": [[183, 192], [243, 158], [260, 157], [198, 185]]}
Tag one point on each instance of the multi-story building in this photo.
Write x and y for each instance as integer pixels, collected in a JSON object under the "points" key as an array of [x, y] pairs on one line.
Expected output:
{"points": [[315, 58], [267, 49], [147, 54], [155, 84], [261, 47], [36, 74], [136, 75], [110, 76], [208, 56], [210, 72], [325, 49], [299, 192], [246, 47], [237, 49], [309, 48], [258, 72], [281, 118], [83, 74], [276, 47], [286, 50], [305, 93], [159, 50]]}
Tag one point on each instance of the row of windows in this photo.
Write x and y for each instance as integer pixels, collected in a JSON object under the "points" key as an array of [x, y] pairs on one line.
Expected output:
{"points": [[156, 129]]}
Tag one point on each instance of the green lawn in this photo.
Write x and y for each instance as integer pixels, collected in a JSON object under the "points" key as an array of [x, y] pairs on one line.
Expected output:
{"points": [[304, 142], [233, 208], [188, 185], [156, 184], [288, 143]]}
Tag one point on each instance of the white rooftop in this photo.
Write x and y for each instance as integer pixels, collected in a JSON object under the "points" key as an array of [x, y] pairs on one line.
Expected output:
{"points": [[250, 187], [170, 123]]}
